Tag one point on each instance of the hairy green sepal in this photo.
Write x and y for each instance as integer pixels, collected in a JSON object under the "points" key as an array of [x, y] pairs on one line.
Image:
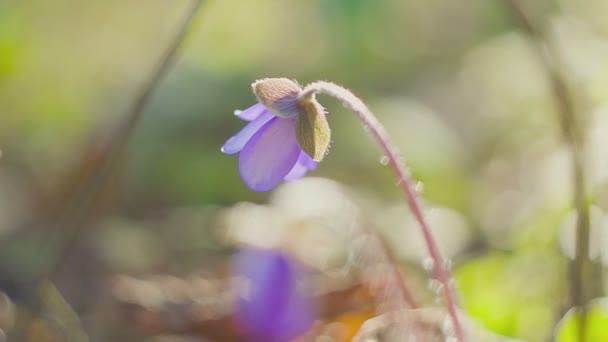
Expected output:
{"points": [[312, 129]]}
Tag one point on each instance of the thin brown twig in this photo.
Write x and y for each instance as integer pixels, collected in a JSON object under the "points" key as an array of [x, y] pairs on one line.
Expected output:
{"points": [[581, 282], [96, 182], [397, 273], [72, 219]]}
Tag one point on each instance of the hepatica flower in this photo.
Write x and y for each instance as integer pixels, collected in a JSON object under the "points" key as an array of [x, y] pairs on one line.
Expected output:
{"points": [[286, 136], [272, 306]]}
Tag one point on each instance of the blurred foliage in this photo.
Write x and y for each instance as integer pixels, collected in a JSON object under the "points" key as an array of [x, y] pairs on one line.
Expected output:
{"points": [[568, 328], [459, 88]]}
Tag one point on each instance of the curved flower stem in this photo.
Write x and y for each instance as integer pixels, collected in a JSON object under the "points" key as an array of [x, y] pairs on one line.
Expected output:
{"points": [[355, 105]]}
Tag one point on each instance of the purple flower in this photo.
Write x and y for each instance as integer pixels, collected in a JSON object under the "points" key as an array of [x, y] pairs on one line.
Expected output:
{"points": [[282, 134], [273, 307], [269, 150]]}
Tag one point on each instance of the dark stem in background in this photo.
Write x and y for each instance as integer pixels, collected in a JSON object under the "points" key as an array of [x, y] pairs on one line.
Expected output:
{"points": [[377, 130], [72, 219], [581, 268], [380, 246], [392, 259]]}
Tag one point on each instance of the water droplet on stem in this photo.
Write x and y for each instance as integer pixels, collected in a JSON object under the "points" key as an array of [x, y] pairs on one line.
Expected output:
{"points": [[427, 264], [435, 286], [384, 160]]}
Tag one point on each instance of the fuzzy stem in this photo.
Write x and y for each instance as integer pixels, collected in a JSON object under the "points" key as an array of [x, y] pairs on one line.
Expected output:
{"points": [[370, 121]]}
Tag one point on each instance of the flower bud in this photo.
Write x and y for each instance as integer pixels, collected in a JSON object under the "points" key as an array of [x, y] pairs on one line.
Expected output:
{"points": [[279, 95]]}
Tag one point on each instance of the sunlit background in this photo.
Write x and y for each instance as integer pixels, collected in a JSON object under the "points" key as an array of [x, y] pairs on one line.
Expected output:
{"points": [[460, 88]]}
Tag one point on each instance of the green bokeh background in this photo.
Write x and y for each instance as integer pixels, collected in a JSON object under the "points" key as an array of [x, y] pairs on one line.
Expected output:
{"points": [[461, 91]]}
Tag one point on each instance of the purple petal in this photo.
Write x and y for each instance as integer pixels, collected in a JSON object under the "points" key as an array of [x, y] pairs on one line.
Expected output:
{"points": [[236, 143], [307, 161], [251, 113], [274, 308], [303, 165], [269, 155]]}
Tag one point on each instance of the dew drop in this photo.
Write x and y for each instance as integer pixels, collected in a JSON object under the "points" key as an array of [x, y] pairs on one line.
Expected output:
{"points": [[435, 286], [419, 187], [384, 160], [427, 264], [237, 112]]}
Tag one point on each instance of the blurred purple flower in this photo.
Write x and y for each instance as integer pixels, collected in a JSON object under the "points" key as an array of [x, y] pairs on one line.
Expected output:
{"points": [[273, 308], [269, 151]]}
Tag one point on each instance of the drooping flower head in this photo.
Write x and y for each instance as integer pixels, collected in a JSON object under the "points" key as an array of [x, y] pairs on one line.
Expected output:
{"points": [[286, 136], [272, 307]]}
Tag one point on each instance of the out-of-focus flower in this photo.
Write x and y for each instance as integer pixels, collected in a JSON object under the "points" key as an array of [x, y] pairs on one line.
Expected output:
{"points": [[273, 307], [285, 137]]}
